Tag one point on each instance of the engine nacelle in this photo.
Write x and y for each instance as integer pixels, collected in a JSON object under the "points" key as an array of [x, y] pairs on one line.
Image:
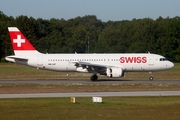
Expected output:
{"points": [[115, 72], [81, 69]]}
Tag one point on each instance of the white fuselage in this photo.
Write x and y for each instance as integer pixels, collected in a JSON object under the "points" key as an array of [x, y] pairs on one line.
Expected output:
{"points": [[128, 62]]}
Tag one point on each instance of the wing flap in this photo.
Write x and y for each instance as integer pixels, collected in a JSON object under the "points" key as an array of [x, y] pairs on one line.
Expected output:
{"points": [[87, 64], [88, 67]]}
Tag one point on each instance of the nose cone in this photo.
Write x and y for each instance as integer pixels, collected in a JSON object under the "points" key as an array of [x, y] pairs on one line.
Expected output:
{"points": [[170, 65]]}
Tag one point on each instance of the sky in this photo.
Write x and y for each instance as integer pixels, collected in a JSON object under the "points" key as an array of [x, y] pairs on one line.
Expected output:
{"points": [[105, 10]]}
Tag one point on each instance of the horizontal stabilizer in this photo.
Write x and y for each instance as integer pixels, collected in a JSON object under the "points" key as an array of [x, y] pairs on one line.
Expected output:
{"points": [[13, 58]]}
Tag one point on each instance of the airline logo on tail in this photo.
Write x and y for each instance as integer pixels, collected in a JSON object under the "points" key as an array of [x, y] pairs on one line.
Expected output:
{"points": [[19, 41]]}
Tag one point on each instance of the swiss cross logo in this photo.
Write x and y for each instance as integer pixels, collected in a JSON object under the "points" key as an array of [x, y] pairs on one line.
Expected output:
{"points": [[19, 41]]}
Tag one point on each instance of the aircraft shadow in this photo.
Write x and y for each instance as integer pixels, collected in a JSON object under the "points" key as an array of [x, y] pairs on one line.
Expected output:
{"points": [[105, 80]]}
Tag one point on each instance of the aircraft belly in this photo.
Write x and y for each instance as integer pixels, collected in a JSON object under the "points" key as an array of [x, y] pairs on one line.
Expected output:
{"points": [[66, 67]]}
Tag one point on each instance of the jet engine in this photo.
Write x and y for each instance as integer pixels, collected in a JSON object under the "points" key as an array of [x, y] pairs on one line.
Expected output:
{"points": [[115, 72]]}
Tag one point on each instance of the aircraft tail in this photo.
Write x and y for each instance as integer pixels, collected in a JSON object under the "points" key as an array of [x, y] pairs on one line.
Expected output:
{"points": [[20, 43]]}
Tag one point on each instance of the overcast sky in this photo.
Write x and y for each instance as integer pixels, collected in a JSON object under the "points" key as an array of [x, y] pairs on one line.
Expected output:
{"points": [[114, 10]]}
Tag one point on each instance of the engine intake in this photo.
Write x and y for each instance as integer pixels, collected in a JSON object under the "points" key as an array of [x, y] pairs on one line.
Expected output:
{"points": [[115, 72]]}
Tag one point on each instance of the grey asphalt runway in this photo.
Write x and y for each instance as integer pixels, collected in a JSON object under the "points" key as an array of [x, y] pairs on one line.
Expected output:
{"points": [[106, 81], [92, 94]]}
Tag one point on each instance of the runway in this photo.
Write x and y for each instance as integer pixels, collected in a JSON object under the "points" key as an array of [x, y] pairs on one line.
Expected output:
{"points": [[89, 94], [85, 81], [92, 94]]}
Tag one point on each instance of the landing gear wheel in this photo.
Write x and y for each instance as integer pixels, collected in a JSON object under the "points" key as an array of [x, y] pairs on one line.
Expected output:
{"points": [[94, 77], [151, 78]]}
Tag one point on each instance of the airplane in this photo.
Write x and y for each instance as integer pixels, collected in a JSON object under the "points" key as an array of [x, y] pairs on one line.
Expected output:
{"points": [[111, 65]]}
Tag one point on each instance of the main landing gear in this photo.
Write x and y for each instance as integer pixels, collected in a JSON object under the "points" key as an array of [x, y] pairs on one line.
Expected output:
{"points": [[150, 76], [94, 77]]}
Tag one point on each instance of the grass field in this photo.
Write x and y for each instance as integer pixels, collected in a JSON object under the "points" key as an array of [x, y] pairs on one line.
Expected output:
{"points": [[114, 108]]}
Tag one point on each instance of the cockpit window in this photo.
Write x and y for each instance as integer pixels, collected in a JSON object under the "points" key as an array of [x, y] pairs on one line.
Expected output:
{"points": [[163, 59]]}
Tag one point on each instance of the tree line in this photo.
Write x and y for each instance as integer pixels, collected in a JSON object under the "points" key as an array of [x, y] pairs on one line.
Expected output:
{"points": [[88, 34]]}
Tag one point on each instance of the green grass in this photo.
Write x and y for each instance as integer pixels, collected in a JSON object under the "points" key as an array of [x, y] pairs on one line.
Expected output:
{"points": [[14, 71], [124, 108], [63, 88]]}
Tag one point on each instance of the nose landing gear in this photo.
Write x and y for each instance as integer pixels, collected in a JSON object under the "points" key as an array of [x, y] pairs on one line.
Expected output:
{"points": [[150, 76]]}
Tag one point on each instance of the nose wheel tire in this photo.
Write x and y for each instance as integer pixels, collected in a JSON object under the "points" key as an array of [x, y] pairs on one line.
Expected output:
{"points": [[151, 78], [94, 77]]}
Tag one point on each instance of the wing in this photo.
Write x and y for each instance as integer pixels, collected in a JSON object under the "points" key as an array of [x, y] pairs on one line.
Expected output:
{"points": [[89, 67]]}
